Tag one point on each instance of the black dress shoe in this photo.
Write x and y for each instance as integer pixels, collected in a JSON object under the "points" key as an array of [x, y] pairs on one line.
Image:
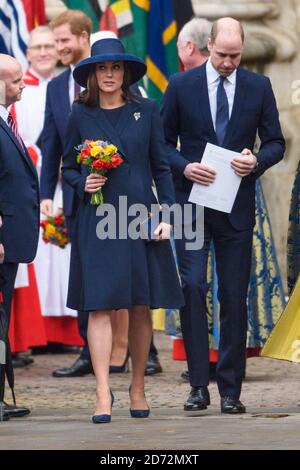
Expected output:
{"points": [[232, 406], [153, 365], [185, 376], [79, 368], [21, 361], [198, 399], [4, 416], [15, 411]]}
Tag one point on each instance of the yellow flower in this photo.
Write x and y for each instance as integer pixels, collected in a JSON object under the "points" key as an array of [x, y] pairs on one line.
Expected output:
{"points": [[111, 149], [50, 231], [95, 151]]}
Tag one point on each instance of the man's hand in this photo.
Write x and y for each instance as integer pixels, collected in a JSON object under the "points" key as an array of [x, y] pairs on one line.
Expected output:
{"points": [[244, 165], [94, 182], [2, 253], [199, 173], [47, 207], [163, 231]]}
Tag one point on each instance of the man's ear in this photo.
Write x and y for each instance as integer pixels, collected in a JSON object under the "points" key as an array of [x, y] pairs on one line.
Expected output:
{"points": [[85, 36], [209, 44], [2, 92], [191, 47]]}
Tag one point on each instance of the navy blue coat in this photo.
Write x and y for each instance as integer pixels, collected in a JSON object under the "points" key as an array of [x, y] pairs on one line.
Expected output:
{"points": [[19, 200], [186, 114], [57, 113], [111, 274]]}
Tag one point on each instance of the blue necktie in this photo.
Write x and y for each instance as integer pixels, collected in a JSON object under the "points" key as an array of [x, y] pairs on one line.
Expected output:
{"points": [[222, 116]]}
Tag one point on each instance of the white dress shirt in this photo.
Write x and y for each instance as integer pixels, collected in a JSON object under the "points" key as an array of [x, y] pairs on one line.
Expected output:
{"points": [[72, 85], [3, 113], [212, 76]]}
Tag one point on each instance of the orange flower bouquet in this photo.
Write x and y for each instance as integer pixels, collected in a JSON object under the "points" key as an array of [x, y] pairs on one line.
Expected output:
{"points": [[100, 157], [55, 231]]}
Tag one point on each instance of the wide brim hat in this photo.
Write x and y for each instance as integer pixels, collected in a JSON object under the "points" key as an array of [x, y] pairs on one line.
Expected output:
{"points": [[109, 50]]}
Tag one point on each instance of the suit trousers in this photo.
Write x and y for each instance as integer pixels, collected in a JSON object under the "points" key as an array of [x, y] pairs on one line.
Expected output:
{"points": [[9, 271], [233, 250]]}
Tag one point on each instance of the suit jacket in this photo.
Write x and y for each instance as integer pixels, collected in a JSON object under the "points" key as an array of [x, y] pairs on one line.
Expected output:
{"points": [[186, 114], [57, 112], [19, 199]]}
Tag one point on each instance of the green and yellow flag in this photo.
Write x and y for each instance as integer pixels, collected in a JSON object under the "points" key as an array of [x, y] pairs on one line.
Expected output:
{"points": [[89, 7], [147, 29]]}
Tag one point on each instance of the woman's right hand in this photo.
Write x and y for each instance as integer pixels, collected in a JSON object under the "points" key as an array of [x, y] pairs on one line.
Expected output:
{"points": [[94, 182]]}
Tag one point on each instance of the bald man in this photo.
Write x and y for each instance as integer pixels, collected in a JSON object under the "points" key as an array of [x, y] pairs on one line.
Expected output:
{"points": [[222, 104], [19, 196]]}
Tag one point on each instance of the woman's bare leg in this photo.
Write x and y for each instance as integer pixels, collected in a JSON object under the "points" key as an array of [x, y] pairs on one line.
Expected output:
{"points": [[119, 324], [100, 344], [140, 332]]}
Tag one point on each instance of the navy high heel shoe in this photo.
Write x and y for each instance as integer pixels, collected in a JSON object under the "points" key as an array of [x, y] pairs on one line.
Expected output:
{"points": [[97, 419], [138, 413], [120, 369]]}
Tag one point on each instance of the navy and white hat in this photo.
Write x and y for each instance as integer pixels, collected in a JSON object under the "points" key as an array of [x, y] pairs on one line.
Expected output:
{"points": [[106, 50]]}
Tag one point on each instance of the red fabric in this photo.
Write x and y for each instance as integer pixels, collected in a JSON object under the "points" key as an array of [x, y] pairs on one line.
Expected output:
{"points": [[35, 13], [1, 298], [29, 328], [108, 22], [178, 353], [30, 79], [33, 155], [63, 330], [26, 324]]}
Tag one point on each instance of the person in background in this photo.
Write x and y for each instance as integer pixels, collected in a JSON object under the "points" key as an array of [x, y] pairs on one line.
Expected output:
{"points": [[19, 194], [71, 30], [48, 297], [192, 43]]}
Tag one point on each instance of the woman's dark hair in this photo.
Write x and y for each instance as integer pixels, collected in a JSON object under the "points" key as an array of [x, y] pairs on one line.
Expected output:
{"points": [[90, 96]]}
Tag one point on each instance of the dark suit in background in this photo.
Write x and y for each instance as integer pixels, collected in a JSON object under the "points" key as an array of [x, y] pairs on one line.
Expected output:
{"points": [[19, 208], [57, 112]]}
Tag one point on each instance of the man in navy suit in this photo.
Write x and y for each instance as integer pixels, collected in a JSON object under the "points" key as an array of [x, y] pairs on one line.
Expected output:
{"points": [[19, 193], [226, 105], [72, 30]]}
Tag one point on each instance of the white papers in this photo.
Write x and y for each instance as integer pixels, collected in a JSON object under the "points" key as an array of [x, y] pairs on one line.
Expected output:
{"points": [[220, 194]]}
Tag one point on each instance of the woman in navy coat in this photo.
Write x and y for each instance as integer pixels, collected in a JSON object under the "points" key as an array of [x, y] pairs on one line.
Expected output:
{"points": [[118, 272]]}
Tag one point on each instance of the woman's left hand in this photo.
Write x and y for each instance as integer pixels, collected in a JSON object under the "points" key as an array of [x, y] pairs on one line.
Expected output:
{"points": [[163, 231]]}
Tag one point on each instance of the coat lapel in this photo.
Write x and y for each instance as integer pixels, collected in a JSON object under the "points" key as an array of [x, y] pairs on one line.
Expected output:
{"points": [[239, 98], [202, 91], [128, 116], [22, 150], [63, 97], [108, 132]]}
